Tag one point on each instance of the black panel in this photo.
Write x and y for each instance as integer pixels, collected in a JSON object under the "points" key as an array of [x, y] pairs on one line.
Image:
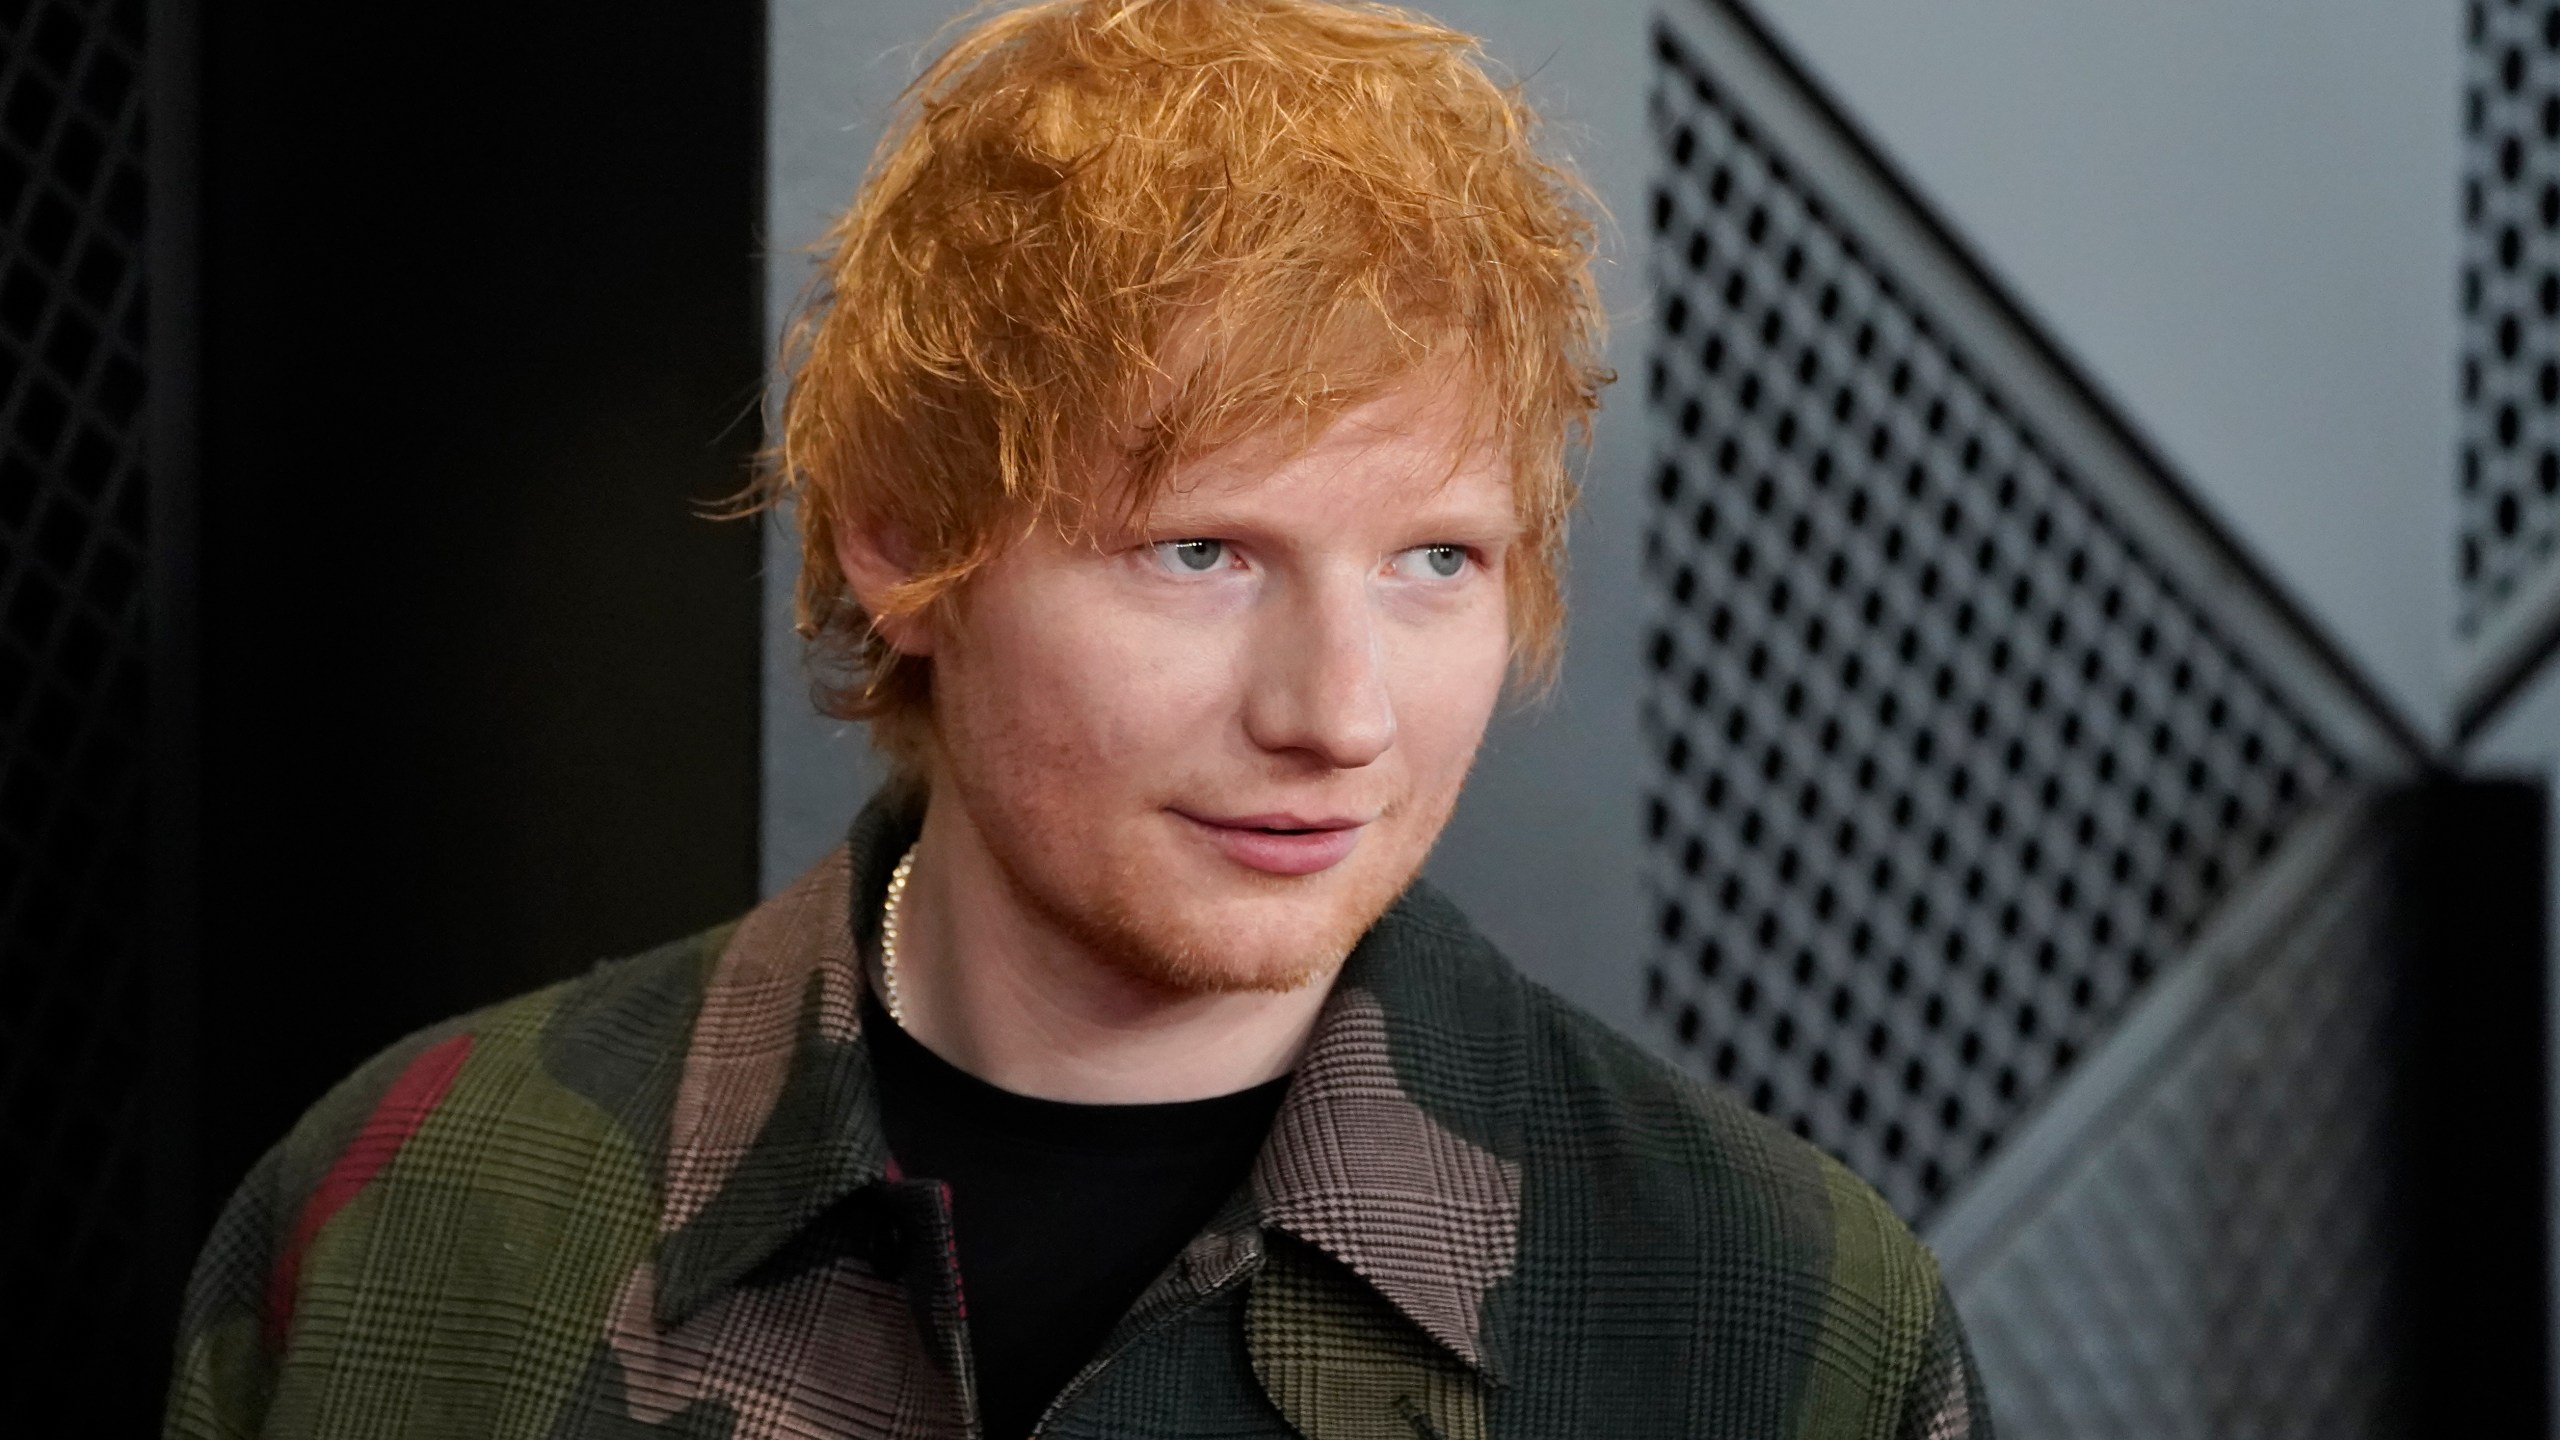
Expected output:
{"points": [[2478, 1076], [481, 333], [78, 1167]]}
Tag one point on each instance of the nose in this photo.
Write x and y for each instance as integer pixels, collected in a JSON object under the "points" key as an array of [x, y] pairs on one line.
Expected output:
{"points": [[1320, 686]]}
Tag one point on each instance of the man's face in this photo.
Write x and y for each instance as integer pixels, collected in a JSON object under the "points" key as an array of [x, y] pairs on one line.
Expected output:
{"points": [[1213, 749]]}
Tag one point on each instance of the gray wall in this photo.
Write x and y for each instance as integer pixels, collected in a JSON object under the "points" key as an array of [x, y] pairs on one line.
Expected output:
{"points": [[835, 68], [2242, 219]]}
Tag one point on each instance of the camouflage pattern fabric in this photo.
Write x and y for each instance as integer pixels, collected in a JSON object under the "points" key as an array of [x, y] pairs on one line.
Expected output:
{"points": [[655, 1201]]}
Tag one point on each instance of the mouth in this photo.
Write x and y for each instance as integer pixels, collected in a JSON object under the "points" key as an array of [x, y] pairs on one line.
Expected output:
{"points": [[1280, 843]]}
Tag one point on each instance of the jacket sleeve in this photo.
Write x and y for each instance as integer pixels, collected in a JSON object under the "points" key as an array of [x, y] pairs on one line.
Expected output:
{"points": [[226, 1359], [1945, 1399], [235, 1325]]}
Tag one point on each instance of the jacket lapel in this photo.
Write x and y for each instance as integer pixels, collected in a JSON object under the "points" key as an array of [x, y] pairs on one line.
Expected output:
{"points": [[777, 1117], [1396, 1150]]}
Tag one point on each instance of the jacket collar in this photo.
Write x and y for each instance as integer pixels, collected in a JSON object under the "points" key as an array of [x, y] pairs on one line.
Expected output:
{"points": [[777, 1113], [1395, 1151]]}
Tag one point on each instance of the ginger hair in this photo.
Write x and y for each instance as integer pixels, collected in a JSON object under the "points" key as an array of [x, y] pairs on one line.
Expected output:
{"points": [[1102, 238]]}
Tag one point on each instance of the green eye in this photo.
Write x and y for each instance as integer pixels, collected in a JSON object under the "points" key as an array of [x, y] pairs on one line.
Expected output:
{"points": [[1191, 556]]}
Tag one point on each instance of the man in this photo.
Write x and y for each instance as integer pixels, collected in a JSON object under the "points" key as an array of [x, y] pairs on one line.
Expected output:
{"points": [[1179, 439]]}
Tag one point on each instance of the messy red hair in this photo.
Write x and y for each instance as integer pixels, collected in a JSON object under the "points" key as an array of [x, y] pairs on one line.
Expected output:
{"points": [[1105, 237]]}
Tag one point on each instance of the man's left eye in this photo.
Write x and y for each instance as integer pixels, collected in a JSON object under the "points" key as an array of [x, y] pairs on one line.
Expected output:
{"points": [[1190, 557], [1439, 562]]}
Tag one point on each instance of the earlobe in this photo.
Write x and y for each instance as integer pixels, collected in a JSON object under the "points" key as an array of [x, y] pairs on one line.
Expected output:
{"points": [[877, 559]]}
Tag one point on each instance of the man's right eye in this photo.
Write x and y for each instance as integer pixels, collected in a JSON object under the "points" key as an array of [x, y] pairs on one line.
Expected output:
{"points": [[1190, 557]]}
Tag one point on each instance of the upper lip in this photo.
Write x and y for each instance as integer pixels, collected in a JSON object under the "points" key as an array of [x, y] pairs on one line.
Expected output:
{"points": [[1279, 820]]}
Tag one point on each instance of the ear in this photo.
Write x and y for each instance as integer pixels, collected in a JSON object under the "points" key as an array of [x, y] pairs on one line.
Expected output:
{"points": [[876, 559]]}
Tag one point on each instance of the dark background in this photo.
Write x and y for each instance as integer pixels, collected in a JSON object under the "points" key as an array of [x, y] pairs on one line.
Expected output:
{"points": [[385, 664], [482, 334]]}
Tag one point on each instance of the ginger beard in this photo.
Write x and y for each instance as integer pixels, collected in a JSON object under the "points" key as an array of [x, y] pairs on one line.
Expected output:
{"points": [[1100, 708], [1119, 906]]}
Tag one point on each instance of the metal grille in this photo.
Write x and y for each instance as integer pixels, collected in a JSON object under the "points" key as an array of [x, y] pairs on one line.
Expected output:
{"points": [[1949, 766], [2510, 460], [72, 530], [2220, 1261]]}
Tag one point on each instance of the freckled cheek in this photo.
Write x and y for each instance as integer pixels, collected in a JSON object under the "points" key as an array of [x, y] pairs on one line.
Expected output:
{"points": [[1447, 682], [1108, 690]]}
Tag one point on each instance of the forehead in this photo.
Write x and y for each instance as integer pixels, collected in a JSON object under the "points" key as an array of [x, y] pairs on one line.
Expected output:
{"points": [[1414, 451]]}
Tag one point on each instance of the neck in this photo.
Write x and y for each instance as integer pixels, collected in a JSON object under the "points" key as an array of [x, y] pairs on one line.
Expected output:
{"points": [[991, 987]]}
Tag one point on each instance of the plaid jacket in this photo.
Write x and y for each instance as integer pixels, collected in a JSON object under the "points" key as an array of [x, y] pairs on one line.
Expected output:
{"points": [[654, 1200]]}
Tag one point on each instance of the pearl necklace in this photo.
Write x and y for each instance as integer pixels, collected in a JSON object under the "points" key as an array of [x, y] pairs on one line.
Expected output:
{"points": [[889, 936]]}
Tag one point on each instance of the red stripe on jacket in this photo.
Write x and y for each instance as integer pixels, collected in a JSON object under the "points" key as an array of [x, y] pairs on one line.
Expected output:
{"points": [[404, 1107]]}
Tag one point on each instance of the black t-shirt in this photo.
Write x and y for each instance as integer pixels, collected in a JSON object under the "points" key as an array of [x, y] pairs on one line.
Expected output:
{"points": [[1063, 1213]]}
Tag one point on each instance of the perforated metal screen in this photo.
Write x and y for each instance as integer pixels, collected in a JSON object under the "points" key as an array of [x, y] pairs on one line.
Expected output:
{"points": [[1949, 766], [2221, 1258], [2510, 461], [2508, 465], [72, 530]]}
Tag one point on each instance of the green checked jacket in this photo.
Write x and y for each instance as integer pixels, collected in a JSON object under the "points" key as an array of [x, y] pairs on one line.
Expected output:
{"points": [[655, 1201]]}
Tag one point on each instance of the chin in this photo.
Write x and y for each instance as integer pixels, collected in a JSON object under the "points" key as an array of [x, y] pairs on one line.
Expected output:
{"points": [[1199, 946], [1232, 930]]}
